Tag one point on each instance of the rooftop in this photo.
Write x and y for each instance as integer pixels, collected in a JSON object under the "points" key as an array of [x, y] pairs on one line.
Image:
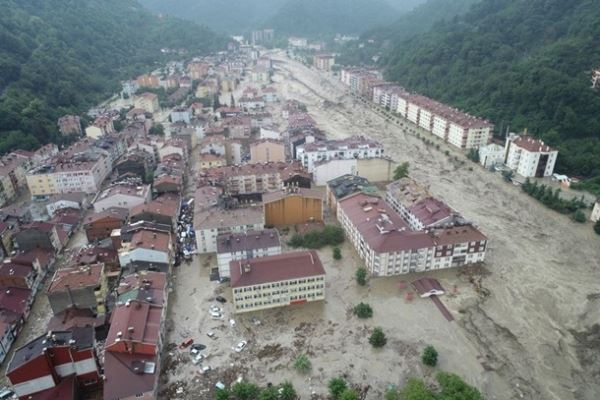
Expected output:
{"points": [[126, 189], [250, 240], [407, 191], [113, 212], [135, 321], [164, 205], [76, 278], [431, 210], [276, 268], [533, 145], [354, 142], [127, 375], [292, 191], [219, 218], [146, 239], [348, 184]]}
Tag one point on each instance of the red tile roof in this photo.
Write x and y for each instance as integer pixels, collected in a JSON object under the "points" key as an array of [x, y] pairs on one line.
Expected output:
{"points": [[122, 380], [282, 267], [144, 318], [151, 240], [76, 277], [14, 299], [533, 145]]}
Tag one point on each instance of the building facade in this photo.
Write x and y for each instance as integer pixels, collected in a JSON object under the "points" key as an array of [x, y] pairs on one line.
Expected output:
{"points": [[242, 246], [530, 157]]}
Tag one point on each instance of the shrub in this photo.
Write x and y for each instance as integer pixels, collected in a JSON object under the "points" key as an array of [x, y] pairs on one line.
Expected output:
{"points": [[401, 171], [453, 387], [430, 356], [287, 391], [363, 310], [337, 253], [302, 364], [245, 391], [392, 394], [508, 175], [473, 155], [337, 386], [349, 394], [269, 393], [222, 394], [331, 235], [579, 216], [378, 338], [416, 389], [361, 276]]}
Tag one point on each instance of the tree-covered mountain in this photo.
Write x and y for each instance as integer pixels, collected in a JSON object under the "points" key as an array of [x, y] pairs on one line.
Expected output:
{"points": [[323, 17], [63, 56], [419, 20], [522, 64]]}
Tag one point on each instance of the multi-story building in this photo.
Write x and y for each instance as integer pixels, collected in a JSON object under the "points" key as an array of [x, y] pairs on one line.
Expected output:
{"points": [[595, 216], [58, 365], [211, 222], [103, 125], [99, 225], [149, 81], [257, 178], [242, 246], [69, 125], [379, 169], [207, 161], [266, 150], [352, 148], [293, 205], [84, 287], [181, 114], [147, 250], [346, 185], [39, 234], [122, 195], [388, 246], [148, 102], [277, 281], [162, 210], [324, 61], [491, 155], [129, 88], [529, 157]]}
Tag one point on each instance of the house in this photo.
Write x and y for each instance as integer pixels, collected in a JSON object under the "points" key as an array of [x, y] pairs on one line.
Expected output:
{"points": [[147, 81], [147, 102], [270, 95], [84, 287], [74, 318], [103, 125], [346, 185], [162, 210], [352, 148], [238, 127], [73, 200], [17, 275], [133, 349], [292, 205], [387, 245], [7, 338], [260, 75], [245, 245], [69, 125], [491, 155], [277, 281], [595, 216], [136, 162], [95, 254], [529, 157], [39, 234], [167, 184], [16, 300], [251, 104], [145, 286], [99, 225], [324, 61], [180, 114], [122, 195], [147, 250], [270, 132], [267, 150], [6, 239], [206, 161], [212, 222], [40, 259], [56, 365]]}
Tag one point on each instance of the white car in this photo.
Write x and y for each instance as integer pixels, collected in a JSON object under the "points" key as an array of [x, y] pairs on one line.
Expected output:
{"points": [[240, 346], [216, 316], [205, 369], [232, 323], [198, 359], [215, 309]]}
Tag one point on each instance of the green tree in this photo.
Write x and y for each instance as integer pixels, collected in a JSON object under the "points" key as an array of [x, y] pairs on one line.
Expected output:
{"points": [[337, 386], [473, 155], [245, 391], [392, 394], [157, 129], [579, 216], [429, 356], [118, 125], [508, 175], [415, 389], [361, 276], [454, 388], [287, 391], [377, 338], [363, 310], [349, 394], [401, 171], [597, 227], [302, 364], [337, 253]]}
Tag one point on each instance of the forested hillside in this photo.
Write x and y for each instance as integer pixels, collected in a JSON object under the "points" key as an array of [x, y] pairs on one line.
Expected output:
{"points": [[63, 56], [323, 17], [522, 64], [419, 20]]}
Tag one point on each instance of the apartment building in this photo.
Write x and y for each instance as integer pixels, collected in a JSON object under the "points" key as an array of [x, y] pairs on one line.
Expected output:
{"points": [[277, 281], [122, 195], [324, 61], [150, 81], [57, 365], [529, 157], [257, 178], [211, 222], [69, 125], [346, 185], [148, 102], [147, 249], [387, 245], [245, 245], [309, 154], [103, 125], [491, 155], [84, 287], [267, 150]]}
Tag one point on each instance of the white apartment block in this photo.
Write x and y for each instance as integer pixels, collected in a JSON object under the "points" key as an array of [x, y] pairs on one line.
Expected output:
{"points": [[388, 247], [243, 246], [595, 216], [530, 157], [67, 177], [277, 281], [212, 222], [356, 147], [491, 155]]}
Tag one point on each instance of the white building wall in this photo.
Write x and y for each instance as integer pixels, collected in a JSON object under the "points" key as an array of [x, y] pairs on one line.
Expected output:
{"points": [[440, 127], [333, 169], [143, 254], [425, 119], [491, 155], [206, 239], [456, 134], [595, 212], [402, 106], [223, 259], [412, 113], [118, 200]]}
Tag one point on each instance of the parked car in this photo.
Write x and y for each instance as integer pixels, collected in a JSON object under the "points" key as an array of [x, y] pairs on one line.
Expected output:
{"points": [[6, 394], [198, 346], [216, 315], [240, 346], [221, 299], [205, 369], [186, 343], [211, 335], [215, 309], [232, 323], [198, 359]]}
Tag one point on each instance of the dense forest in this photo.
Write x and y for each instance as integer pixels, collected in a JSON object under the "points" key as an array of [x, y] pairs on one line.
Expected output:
{"points": [[240, 16], [63, 56], [522, 64], [419, 20]]}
